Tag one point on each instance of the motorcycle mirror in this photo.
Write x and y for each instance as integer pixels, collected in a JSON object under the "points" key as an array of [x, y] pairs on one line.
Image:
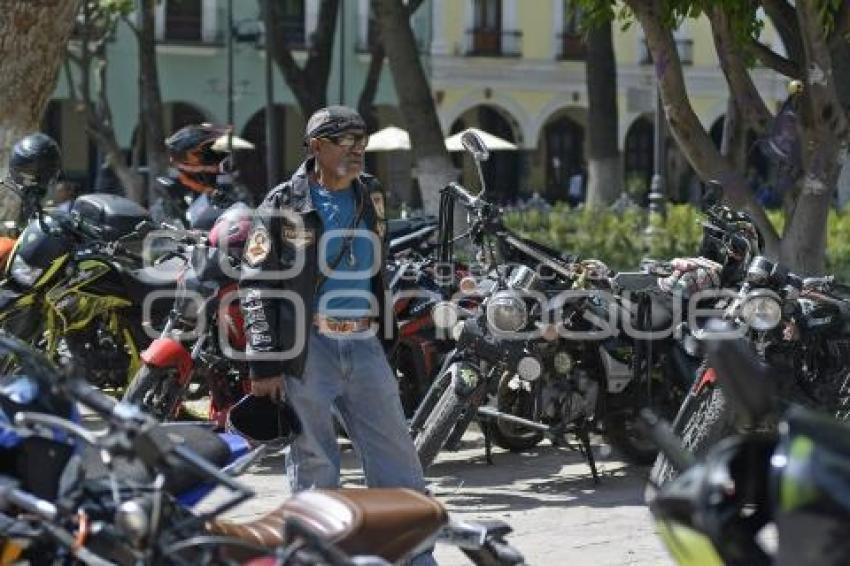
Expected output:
{"points": [[473, 143], [476, 147]]}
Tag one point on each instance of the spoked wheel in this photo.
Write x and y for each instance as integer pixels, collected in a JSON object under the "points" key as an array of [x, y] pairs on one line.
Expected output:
{"points": [[157, 391], [520, 402]]}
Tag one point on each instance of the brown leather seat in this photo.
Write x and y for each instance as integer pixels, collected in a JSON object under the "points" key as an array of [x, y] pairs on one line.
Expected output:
{"points": [[383, 522]]}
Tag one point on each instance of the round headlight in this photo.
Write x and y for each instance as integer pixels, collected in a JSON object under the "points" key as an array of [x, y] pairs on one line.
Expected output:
{"points": [[506, 311], [23, 273], [444, 315], [529, 368], [762, 312], [563, 362]]}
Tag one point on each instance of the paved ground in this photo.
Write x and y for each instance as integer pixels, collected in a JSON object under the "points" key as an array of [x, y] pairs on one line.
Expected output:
{"points": [[559, 516]]}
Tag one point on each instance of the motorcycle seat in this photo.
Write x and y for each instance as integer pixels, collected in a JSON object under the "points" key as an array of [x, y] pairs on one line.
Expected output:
{"points": [[385, 522]]}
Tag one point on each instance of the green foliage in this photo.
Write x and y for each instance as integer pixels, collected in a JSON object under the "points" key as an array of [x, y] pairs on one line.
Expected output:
{"points": [[621, 241], [617, 239]]}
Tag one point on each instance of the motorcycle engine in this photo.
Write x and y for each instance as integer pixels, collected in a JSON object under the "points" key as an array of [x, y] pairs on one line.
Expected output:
{"points": [[100, 356]]}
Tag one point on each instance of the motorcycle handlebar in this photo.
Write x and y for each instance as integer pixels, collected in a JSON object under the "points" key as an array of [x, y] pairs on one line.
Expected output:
{"points": [[462, 195]]}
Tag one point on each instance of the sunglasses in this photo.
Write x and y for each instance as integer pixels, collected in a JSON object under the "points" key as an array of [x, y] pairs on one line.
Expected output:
{"points": [[349, 141]]}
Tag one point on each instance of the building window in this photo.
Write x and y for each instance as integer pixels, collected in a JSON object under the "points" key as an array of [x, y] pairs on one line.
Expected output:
{"points": [[293, 18], [183, 20], [573, 47], [487, 38]]}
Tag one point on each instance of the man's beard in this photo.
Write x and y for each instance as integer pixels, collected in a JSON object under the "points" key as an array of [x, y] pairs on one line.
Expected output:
{"points": [[349, 165]]}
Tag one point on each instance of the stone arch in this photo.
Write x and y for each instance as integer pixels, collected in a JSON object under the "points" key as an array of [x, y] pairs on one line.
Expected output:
{"points": [[503, 170], [560, 149], [508, 107], [638, 151]]}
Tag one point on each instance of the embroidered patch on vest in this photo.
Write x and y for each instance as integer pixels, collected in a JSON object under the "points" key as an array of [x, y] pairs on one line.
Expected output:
{"points": [[258, 247]]}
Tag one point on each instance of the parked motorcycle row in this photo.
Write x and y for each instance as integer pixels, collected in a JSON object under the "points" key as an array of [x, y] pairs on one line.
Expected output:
{"points": [[530, 342]]}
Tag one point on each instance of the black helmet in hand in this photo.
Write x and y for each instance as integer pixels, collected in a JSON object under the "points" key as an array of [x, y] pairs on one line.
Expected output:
{"points": [[35, 164], [260, 420]]}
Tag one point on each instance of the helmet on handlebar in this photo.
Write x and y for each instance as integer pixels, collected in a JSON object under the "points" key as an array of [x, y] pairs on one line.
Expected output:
{"points": [[194, 152], [260, 420], [35, 164]]}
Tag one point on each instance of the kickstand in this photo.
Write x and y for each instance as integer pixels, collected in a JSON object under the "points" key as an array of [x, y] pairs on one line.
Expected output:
{"points": [[488, 443], [584, 437]]}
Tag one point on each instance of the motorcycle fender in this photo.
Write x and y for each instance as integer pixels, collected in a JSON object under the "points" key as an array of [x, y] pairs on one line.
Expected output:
{"points": [[166, 352], [465, 378]]}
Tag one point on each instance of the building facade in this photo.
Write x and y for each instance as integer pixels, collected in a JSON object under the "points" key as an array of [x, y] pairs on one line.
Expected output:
{"points": [[515, 69]]}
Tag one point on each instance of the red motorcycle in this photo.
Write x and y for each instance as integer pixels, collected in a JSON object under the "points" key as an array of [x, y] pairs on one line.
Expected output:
{"points": [[205, 315]]}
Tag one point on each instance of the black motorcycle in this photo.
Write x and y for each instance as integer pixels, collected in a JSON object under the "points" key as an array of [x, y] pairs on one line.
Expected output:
{"points": [[533, 345], [799, 328]]}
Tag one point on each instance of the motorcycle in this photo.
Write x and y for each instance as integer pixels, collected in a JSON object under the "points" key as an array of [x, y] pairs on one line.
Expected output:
{"points": [[546, 384], [127, 518], [206, 308], [74, 285], [793, 477], [797, 326]]}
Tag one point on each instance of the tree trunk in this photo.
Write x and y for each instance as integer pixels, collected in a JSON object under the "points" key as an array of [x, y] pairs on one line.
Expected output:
{"points": [[309, 84], [33, 36], [686, 127], [151, 99], [604, 182], [433, 167]]}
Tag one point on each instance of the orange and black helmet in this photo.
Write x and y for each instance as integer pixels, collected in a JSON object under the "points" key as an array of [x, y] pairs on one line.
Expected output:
{"points": [[193, 149]]}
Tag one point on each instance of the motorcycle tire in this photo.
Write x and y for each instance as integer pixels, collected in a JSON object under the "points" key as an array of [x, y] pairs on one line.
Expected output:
{"points": [[703, 420], [438, 426], [519, 403], [156, 391], [625, 437]]}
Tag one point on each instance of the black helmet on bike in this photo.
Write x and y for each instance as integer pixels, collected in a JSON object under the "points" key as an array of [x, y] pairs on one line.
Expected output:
{"points": [[35, 164], [194, 151]]}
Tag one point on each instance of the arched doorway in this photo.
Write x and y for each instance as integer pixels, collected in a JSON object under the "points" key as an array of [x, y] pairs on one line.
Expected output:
{"points": [[638, 157], [564, 139], [501, 173]]}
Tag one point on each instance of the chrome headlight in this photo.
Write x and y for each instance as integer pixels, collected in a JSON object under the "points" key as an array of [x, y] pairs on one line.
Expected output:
{"points": [[529, 368], [444, 314], [506, 311], [23, 273], [761, 310]]}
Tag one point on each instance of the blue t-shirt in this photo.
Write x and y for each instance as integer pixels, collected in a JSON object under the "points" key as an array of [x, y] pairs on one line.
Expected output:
{"points": [[344, 294]]}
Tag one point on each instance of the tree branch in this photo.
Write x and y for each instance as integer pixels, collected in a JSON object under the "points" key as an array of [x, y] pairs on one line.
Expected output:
{"points": [[822, 101], [748, 102], [774, 60], [684, 123], [783, 16], [133, 28]]}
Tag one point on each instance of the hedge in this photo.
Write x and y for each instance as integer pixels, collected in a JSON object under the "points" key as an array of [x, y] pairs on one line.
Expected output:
{"points": [[620, 238]]}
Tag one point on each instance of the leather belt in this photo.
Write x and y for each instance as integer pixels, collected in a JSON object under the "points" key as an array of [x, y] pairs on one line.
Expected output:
{"points": [[330, 325]]}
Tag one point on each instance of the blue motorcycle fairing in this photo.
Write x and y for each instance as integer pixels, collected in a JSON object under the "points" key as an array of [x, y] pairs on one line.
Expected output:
{"points": [[238, 447]]}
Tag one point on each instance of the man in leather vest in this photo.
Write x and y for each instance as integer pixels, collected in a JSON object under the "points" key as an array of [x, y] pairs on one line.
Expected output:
{"points": [[315, 307]]}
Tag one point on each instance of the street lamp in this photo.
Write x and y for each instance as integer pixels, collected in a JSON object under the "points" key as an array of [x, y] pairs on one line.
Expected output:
{"points": [[657, 192]]}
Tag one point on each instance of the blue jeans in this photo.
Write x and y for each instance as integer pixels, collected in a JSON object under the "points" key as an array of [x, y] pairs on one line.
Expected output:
{"points": [[351, 373]]}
